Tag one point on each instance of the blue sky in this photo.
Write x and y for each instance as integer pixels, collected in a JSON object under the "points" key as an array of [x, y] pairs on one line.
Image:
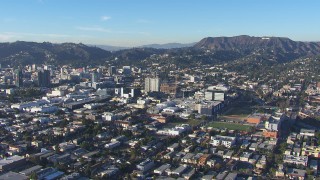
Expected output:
{"points": [[138, 22]]}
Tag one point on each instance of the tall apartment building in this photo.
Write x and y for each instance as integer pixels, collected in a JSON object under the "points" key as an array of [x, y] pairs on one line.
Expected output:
{"points": [[152, 85], [44, 78], [112, 70], [18, 77], [94, 76]]}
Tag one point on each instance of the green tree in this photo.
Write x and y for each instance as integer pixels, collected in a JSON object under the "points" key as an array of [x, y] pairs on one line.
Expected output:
{"points": [[57, 148], [33, 176]]}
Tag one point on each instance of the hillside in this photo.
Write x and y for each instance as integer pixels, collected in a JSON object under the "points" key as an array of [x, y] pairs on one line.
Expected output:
{"points": [[21, 52], [210, 50], [275, 48]]}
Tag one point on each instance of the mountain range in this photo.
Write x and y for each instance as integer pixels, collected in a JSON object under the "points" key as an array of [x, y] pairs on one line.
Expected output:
{"points": [[208, 50], [168, 45], [155, 46]]}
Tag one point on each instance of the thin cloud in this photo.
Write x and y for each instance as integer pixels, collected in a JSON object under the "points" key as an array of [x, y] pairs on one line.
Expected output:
{"points": [[105, 18], [100, 29], [6, 37], [40, 34], [55, 35], [96, 29], [130, 32]]}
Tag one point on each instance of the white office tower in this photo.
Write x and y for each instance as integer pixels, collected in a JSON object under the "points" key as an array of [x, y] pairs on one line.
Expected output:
{"points": [[152, 85]]}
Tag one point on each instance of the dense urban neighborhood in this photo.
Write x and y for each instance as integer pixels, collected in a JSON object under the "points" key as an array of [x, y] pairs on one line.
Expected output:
{"points": [[160, 120], [159, 90]]}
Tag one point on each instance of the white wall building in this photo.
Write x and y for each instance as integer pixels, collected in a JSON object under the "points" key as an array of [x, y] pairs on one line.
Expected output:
{"points": [[23, 106], [112, 145], [43, 109], [107, 116], [152, 85], [176, 131], [226, 141], [56, 93], [170, 110]]}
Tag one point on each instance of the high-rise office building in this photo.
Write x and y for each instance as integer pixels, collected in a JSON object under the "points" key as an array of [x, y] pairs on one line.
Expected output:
{"points": [[126, 70], [94, 76], [152, 85], [62, 71], [47, 67], [18, 77], [214, 95], [34, 67], [112, 70], [44, 78]]}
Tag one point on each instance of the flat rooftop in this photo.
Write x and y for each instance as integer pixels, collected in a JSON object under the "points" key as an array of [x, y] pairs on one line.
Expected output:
{"points": [[10, 159]]}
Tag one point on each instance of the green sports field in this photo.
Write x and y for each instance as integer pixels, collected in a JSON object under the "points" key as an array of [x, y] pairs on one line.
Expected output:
{"points": [[230, 126]]}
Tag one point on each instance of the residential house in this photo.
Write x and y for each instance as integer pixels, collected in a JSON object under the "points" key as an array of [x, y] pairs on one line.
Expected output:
{"points": [[173, 147], [245, 156], [301, 160], [189, 173], [228, 154], [187, 158], [254, 159], [160, 170], [211, 162], [308, 132], [110, 172], [11, 162], [231, 176], [311, 151], [203, 159], [261, 162], [280, 171], [145, 165], [13, 176], [169, 155], [293, 173], [253, 147], [179, 171]]}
